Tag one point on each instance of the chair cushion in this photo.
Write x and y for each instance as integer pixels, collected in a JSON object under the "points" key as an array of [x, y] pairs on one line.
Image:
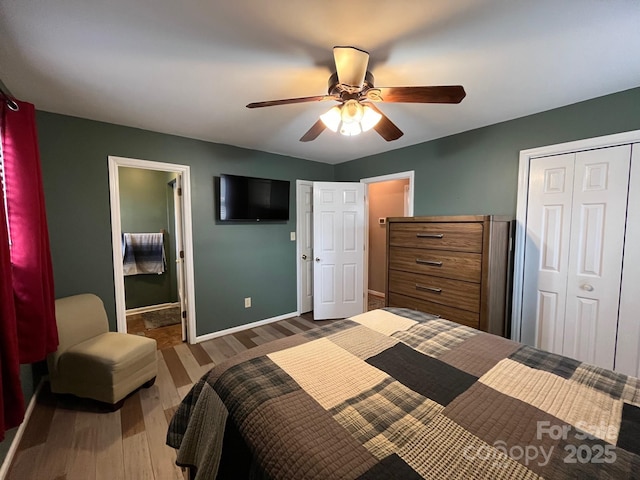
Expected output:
{"points": [[107, 367], [115, 350]]}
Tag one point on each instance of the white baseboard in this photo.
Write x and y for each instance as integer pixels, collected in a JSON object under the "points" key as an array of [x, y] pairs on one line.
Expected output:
{"points": [[4, 469], [377, 294], [228, 331], [152, 308]]}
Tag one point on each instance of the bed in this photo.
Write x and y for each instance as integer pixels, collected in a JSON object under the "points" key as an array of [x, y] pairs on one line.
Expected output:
{"points": [[398, 394]]}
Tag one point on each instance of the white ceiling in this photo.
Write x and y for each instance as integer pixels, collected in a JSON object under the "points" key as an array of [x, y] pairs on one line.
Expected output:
{"points": [[189, 67]]}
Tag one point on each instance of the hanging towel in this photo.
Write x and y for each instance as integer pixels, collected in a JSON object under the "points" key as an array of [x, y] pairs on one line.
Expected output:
{"points": [[143, 253]]}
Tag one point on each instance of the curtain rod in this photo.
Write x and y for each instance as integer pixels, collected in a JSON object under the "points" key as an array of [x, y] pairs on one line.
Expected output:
{"points": [[9, 98]]}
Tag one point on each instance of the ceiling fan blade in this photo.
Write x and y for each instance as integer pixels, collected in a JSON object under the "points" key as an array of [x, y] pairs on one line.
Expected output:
{"points": [[314, 131], [435, 94], [289, 101], [351, 66], [385, 127]]}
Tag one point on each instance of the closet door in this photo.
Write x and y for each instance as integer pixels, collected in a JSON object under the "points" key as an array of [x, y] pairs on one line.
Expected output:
{"points": [[628, 345], [547, 251], [598, 218], [573, 252]]}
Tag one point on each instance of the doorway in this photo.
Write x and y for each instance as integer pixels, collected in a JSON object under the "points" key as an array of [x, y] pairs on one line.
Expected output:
{"points": [[304, 233], [151, 201], [386, 196]]}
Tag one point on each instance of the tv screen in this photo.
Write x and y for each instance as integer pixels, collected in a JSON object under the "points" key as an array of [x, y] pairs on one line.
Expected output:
{"points": [[249, 199]]}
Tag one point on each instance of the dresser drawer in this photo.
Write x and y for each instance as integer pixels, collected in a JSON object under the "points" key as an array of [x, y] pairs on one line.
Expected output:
{"points": [[463, 237], [455, 265], [464, 317], [455, 293]]}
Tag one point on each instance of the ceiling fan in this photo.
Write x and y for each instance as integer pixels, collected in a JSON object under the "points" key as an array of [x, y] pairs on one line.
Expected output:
{"points": [[352, 86]]}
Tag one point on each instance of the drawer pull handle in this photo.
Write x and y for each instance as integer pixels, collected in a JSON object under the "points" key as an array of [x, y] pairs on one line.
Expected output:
{"points": [[430, 289], [429, 235], [428, 262]]}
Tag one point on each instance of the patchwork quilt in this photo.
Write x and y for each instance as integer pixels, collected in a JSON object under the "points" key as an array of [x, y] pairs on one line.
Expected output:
{"points": [[398, 394]]}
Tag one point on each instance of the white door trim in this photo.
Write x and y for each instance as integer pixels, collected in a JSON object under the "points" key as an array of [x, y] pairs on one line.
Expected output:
{"points": [[410, 175], [299, 227], [521, 207], [116, 235]]}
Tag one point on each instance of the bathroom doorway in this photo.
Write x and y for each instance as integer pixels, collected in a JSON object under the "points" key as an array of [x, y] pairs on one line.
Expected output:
{"points": [[152, 241]]}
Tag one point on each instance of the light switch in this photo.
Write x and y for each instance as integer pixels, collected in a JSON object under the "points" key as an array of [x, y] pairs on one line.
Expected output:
{"points": [[293, 236]]}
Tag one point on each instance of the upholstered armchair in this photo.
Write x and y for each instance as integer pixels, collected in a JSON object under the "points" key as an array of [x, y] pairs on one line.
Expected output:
{"points": [[93, 362]]}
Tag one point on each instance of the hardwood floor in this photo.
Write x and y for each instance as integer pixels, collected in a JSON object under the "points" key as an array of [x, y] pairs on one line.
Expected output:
{"points": [[68, 438], [165, 337]]}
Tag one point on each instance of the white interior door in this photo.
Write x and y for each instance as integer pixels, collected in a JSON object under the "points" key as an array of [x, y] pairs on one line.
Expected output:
{"points": [[573, 252], [547, 251], [628, 342], [338, 242], [598, 220], [304, 202], [180, 267]]}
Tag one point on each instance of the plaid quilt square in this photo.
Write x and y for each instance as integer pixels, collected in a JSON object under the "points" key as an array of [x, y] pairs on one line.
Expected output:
{"points": [[245, 386], [434, 337], [381, 417], [411, 314], [329, 329], [604, 380], [631, 393], [550, 362]]}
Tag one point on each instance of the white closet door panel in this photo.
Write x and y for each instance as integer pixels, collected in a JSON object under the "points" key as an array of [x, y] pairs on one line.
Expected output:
{"points": [[598, 218], [550, 324], [547, 251], [628, 343]]}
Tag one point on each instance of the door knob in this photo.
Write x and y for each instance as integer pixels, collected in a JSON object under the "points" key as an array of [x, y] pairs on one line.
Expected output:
{"points": [[587, 287], [304, 257], [317, 259]]}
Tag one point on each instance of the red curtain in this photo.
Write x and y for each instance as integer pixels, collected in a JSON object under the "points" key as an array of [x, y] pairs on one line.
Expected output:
{"points": [[12, 408], [32, 325]]}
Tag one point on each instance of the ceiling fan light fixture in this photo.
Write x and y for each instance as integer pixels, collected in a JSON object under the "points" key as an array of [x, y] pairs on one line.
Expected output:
{"points": [[351, 112], [351, 118], [370, 118], [332, 119], [350, 129]]}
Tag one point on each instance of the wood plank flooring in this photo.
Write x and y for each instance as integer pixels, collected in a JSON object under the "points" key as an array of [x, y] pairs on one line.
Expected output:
{"points": [[166, 337], [74, 439]]}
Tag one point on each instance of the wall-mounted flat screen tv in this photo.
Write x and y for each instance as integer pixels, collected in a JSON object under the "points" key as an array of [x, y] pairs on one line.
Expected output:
{"points": [[250, 199]]}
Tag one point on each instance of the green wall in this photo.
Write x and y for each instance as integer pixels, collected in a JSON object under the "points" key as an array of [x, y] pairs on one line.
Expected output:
{"points": [[232, 261], [473, 172], [476, 172], [146, 206]]}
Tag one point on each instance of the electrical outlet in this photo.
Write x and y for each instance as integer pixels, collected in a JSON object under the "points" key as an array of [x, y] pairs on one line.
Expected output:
{"points": [[247, 302]]}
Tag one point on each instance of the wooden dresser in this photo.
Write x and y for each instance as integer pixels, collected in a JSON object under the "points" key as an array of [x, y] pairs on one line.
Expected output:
{"points": [[457, 267]]}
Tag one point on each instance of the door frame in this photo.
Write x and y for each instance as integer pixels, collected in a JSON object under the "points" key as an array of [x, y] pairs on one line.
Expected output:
{"points": [[299, 227], [522, 200], [116, 235], [408, 175]]}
